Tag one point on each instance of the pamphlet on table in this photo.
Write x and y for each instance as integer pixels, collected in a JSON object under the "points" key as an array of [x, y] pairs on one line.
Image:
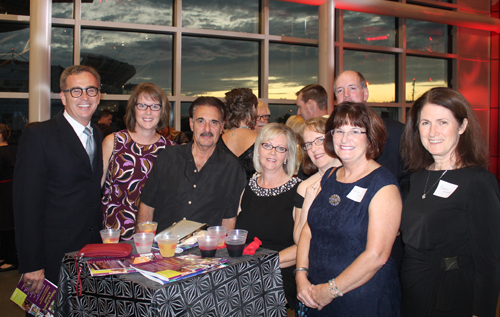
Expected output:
{"points": [[175, 268], [110, 266]]}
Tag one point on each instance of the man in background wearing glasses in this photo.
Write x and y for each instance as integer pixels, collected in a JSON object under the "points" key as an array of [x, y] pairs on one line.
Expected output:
{"points": [[263, 115], [57, 190]]}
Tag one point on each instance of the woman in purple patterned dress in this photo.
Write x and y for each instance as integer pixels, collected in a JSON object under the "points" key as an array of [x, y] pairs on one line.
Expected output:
{"points": [[128, 156]]}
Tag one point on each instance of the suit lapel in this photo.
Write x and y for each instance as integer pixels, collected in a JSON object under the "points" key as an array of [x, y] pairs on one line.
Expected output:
{"points": [[69, 137]]}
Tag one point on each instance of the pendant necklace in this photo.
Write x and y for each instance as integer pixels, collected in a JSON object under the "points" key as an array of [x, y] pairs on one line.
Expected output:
{"points": [[426, 192]]}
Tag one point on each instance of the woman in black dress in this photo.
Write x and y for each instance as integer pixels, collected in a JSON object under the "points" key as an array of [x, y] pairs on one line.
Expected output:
{"points": [[451, 217], [239, 134], [266, 206]]}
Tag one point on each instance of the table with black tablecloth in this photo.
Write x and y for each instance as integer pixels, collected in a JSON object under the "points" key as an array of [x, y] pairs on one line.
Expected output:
{"points": [[248, 286]]}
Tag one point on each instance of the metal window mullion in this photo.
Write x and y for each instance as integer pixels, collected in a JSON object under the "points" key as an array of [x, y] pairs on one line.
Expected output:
{"points": [[176, 67], [264, 52]]}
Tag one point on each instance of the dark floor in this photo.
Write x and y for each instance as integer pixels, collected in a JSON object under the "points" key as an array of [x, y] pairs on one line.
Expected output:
{"points": [[8, 282]]}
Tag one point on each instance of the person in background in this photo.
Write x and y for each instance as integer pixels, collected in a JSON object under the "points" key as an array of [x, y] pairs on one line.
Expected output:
{"points": [[266, 206], [344, 267], [312, 101], [129, 155], [8, 253], [178, 137], [296, 123], [315, 161], [57, 188], [239, 136], [451, 217], [104, 123], [198, 181], [352, 86], [263, 115]]}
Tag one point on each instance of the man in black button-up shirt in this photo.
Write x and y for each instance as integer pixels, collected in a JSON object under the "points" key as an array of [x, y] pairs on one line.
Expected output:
{"points": [[197, 181]]}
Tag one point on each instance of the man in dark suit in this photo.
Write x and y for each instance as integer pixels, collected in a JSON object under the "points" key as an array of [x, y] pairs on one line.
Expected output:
{"points": [[57, 190]]}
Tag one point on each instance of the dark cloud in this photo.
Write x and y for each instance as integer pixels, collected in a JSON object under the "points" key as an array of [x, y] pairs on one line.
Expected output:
{"points": [[155, 12], [426, 36], [293, 19]]}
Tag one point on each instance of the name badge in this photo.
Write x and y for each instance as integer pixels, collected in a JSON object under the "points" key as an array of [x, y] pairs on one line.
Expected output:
{"points": [[445, 189], [357, 194]]}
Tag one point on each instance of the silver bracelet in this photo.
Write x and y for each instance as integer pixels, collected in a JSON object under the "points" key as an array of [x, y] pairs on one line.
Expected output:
{"points": [[305, 269]]}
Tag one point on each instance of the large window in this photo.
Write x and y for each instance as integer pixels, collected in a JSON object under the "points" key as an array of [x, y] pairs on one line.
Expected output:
{"points": [[400, 58], [192, 48], [125, 59], [154, 12], [14, 57], [215, 66], [228, 15], [291, 67]]}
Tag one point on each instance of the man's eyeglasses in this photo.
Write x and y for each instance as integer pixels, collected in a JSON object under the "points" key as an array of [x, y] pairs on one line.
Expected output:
{"points": [[143, 106], [338, 134], [265, 117], [77, 92], [269, 147], [318, 141]]}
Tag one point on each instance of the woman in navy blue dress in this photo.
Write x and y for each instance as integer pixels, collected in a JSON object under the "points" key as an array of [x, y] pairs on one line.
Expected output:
{"points": [[344, 266]]}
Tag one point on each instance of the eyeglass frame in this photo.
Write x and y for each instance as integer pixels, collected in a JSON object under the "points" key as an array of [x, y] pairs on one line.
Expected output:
{"points": [[262, 117], [148, 106], [271, 147], [306, 146], [350, 134], [82, 90]]}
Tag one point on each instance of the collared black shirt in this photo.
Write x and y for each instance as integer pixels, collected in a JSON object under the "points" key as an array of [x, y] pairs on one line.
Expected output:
{"points": [[177, 189]]}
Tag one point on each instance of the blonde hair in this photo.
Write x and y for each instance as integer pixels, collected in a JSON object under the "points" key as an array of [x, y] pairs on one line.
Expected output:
{"points": [[270, 132]]}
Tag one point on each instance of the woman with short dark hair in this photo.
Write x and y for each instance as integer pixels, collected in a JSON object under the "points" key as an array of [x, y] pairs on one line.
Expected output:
{"points": [[344, 266], [239, 134], [451, 217], [128, 156]]}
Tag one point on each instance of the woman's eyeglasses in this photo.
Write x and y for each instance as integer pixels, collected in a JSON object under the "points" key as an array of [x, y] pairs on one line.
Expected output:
{"points": [[269, 147], [143, 106], [318, 141]]}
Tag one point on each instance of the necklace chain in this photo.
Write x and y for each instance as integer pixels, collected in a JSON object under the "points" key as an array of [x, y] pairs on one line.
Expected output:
{"points": [[427, 181], [242, 126]]}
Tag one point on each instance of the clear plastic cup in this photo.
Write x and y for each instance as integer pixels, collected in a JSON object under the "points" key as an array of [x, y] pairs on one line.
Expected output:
{"points": [[110, 235], [235, 245], [143, 241], [219, 231], [147, 226], [235, 242], [238, 232], [167, 244], [208, 245]]}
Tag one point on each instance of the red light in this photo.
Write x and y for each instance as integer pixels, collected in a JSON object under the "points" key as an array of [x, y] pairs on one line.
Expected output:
{"points": [[378, 38], [430, 79], [430, 38]]}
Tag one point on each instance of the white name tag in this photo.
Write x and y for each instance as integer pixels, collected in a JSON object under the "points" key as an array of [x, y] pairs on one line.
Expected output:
{"points": [[357, 194], [445, 189]]}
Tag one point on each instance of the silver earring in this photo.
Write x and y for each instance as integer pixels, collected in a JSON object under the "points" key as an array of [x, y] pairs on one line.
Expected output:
{"points": [[284, 162]]}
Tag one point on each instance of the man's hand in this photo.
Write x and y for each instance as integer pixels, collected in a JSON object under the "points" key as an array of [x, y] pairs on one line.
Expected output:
{"points": [[34, 280]]}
